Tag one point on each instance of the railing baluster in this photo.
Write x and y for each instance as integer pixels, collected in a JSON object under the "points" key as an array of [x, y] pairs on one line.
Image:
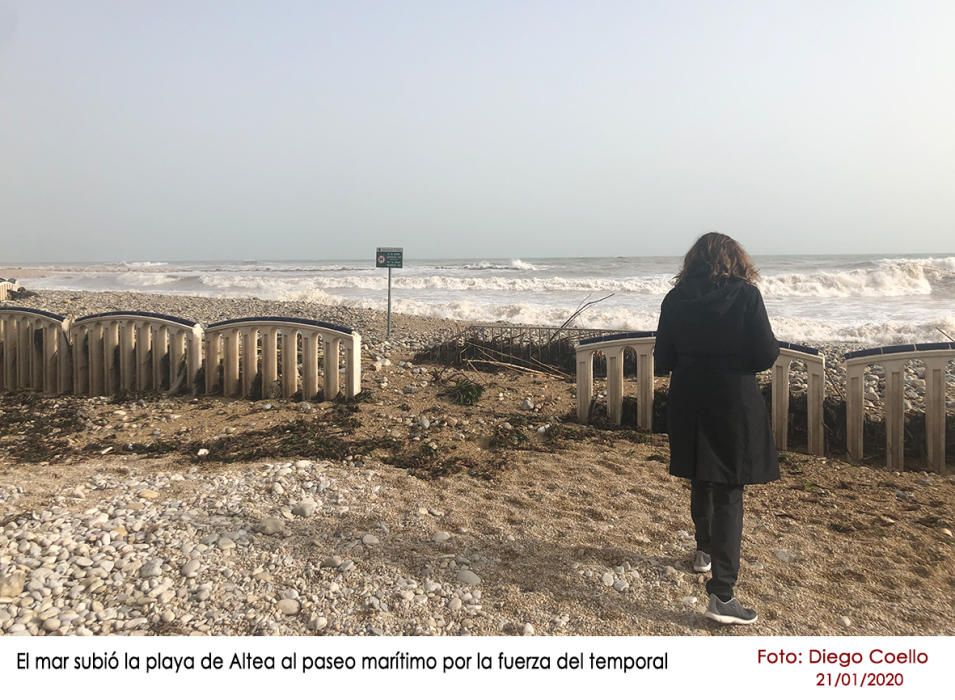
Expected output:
{"points": [[160, 339], [855, 416], [4, 349], [270, 368], [212, 362], [144, 372], [615, 358], [95, 341], [815, 399], [177, 360], [585, 383], [935, 411], [127, 356], [25, 345], [310, 366], [194, 358], [110, 368], [10, 353], [81, 374], [37, 370], [51, 334], [894, 413], [289, 363], [64, 359], [330, 386], [230, 363], [644, 357], [780, 402], [353, 366], [250, 360]]}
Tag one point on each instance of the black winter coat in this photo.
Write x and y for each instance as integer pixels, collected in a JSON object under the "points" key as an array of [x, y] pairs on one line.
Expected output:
{"points": [[714, 339]]}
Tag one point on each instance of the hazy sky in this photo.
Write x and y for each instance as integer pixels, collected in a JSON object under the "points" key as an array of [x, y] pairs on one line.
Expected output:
{"points": [[282, 130]]}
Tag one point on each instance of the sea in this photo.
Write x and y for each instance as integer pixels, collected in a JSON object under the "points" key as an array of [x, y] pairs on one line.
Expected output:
{"points": [[857, 299]]}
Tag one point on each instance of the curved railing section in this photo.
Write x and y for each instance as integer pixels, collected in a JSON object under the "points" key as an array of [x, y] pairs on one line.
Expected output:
{"points": [[5, 289], [815, 363], [893, 359], [615, 346], [135, 351], [35, 350], [238, 350]]}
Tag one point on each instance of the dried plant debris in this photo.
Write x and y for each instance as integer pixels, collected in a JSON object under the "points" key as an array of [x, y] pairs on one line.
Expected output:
{"points": [[37, 429]]}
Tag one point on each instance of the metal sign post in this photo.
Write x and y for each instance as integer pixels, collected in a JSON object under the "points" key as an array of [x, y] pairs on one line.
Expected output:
{"points": [[390, 258]]}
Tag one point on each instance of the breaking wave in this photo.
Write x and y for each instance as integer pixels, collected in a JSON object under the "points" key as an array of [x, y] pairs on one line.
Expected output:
{"points": [[145, 264], [515, 264], [886, 278], [642, 285]]}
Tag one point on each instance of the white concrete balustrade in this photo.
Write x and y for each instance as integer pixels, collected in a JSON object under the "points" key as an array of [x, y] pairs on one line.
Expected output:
{"points": [[893, 360], [35, 351], [815, 364], [5, 289], [615, 346], [126, 351], [238, 350]]}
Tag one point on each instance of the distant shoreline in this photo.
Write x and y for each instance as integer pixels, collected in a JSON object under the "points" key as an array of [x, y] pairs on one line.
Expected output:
{"points": [[864, 299], [21, 272]]}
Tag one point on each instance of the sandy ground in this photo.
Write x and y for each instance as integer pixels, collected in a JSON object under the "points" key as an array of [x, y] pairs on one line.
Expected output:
{"points": [[830, 549]]}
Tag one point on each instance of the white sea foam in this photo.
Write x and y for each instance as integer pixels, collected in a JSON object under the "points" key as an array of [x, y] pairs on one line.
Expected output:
{"points": [[449, 283], [145, 264], [146, 279], [525, 313], [515, 264], [866, 333]]}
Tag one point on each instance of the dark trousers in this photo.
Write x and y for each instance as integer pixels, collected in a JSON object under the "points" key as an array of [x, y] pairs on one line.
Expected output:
{"points": [[717, 511]]}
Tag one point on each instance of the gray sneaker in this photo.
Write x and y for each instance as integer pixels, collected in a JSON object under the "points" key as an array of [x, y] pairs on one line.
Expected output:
{"points": [[731, 612], [702, 562]]}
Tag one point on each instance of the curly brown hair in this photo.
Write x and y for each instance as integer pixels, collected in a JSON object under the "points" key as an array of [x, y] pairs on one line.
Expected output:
{"points": [[719, 258]]}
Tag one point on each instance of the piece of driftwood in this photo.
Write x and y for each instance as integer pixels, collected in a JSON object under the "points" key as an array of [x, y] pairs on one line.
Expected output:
{"points": [[584, 305]]}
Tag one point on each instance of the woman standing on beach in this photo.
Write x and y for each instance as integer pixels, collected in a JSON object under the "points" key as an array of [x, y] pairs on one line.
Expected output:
{"points": [[713, 336]]}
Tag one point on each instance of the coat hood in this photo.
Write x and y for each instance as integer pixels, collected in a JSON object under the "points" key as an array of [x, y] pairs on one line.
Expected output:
{"points": [[698, 291]]}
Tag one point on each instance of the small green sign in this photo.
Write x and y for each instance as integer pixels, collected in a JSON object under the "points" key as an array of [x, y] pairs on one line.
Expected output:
{"points": [[389, 257]]}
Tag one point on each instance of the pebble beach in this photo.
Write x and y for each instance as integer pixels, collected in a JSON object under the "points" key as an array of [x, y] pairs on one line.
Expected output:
{"points": [[407, 513]]}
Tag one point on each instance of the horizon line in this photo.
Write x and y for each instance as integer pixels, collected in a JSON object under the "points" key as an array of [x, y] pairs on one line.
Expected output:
{"points": [[250, 261]]}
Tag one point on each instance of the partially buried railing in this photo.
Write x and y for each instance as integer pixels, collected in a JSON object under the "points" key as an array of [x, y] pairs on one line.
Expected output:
{"points": [[815, 363], [614, 347], [135, 351], [117, 352], [237, 351], [35, 351], [893, 360]]}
